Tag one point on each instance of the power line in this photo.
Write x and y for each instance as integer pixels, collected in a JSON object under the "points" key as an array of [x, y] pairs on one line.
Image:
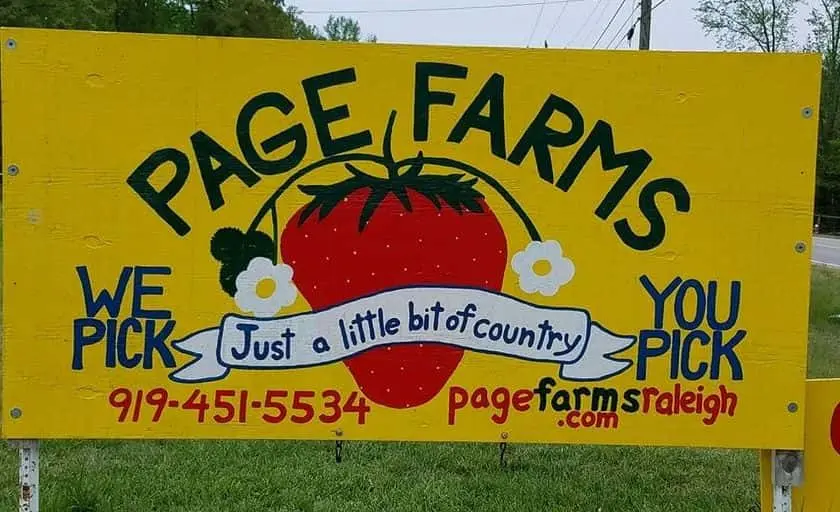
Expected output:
{"points": [[657, 5], [591, 13], [594, 28], [556, 21], [609, 24], [536, 22], [621, 29], [450, 8]]}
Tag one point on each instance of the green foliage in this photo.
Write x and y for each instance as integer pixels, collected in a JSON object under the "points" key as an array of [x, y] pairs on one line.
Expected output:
{"points": [[342, 28], [256, 18], [825, 38], [238, 18], [161, 16], [63, 14], [766, 25]]}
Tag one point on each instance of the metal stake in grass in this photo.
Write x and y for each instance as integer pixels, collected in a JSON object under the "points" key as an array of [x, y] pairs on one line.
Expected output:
{"points": [[339, 444], [502, 450]]}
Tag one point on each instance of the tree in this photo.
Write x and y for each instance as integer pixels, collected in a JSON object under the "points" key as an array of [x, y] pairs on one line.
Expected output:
{"points": [[342, 28], [766, 25], [300, 29], [64, 14], [825, 38], [162, 16], [241, 18]]}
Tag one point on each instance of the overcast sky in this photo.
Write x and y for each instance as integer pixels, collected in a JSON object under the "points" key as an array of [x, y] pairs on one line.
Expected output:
{"points": [[572, 24]]}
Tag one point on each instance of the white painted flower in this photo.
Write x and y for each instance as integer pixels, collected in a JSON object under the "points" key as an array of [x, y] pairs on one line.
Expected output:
{"points": [[559, 273], [260, 269]]}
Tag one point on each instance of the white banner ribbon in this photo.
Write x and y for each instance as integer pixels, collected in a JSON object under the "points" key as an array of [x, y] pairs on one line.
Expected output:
{"points": [[474, 319]]}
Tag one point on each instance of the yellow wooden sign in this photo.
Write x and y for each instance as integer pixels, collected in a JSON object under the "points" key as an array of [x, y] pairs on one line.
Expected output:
{"points": [[288, 239], [819, 490]]}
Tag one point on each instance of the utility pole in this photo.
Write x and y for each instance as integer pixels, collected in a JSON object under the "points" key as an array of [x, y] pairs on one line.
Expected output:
{"points": [[644, 29]]}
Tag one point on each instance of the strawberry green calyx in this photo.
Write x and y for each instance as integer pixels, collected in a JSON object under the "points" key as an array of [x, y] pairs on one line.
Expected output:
{"points": [[449, 189]]}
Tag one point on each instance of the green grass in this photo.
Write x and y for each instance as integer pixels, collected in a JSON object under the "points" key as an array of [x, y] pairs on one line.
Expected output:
{"points": [[294, 476], [824, 349]]}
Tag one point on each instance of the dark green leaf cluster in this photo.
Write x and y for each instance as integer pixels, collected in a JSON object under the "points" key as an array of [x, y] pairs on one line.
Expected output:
{"points": [[439, 189]]}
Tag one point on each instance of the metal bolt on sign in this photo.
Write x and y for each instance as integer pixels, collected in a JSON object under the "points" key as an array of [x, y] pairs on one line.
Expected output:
{"points": [[15, 413], [793, 407], [13, 170], [11, 44], [807, 112], [800, 247], [339, 444]]}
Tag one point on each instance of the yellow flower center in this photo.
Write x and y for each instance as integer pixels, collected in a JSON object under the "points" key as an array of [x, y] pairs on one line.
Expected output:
{"points": [[542, 267], [266, 287]]}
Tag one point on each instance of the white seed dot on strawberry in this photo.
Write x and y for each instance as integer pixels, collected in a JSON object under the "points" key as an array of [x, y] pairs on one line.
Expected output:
{"points": [[335, 230], [348, 281], [305, 235], [420, 240], [419, 388], [405, 269], [474, 260], [371, 372], [402, 368], [421, 345], [457, 237], [485, 233], [328, 258], [437, 266], [354, 253], [387, 390], [389, 348], [345, 199], [437, 367]]}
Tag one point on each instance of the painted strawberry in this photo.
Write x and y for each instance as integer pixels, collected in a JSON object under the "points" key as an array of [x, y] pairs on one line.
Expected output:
{"points": [[367, 234], [835, 429]]}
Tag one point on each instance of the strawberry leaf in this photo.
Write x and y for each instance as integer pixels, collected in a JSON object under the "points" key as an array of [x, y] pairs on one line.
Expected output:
{"points": [[376, 196], [309, 210], [448, 189], [402, 195], [472, 205], [452, 200], [430, 196]]}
